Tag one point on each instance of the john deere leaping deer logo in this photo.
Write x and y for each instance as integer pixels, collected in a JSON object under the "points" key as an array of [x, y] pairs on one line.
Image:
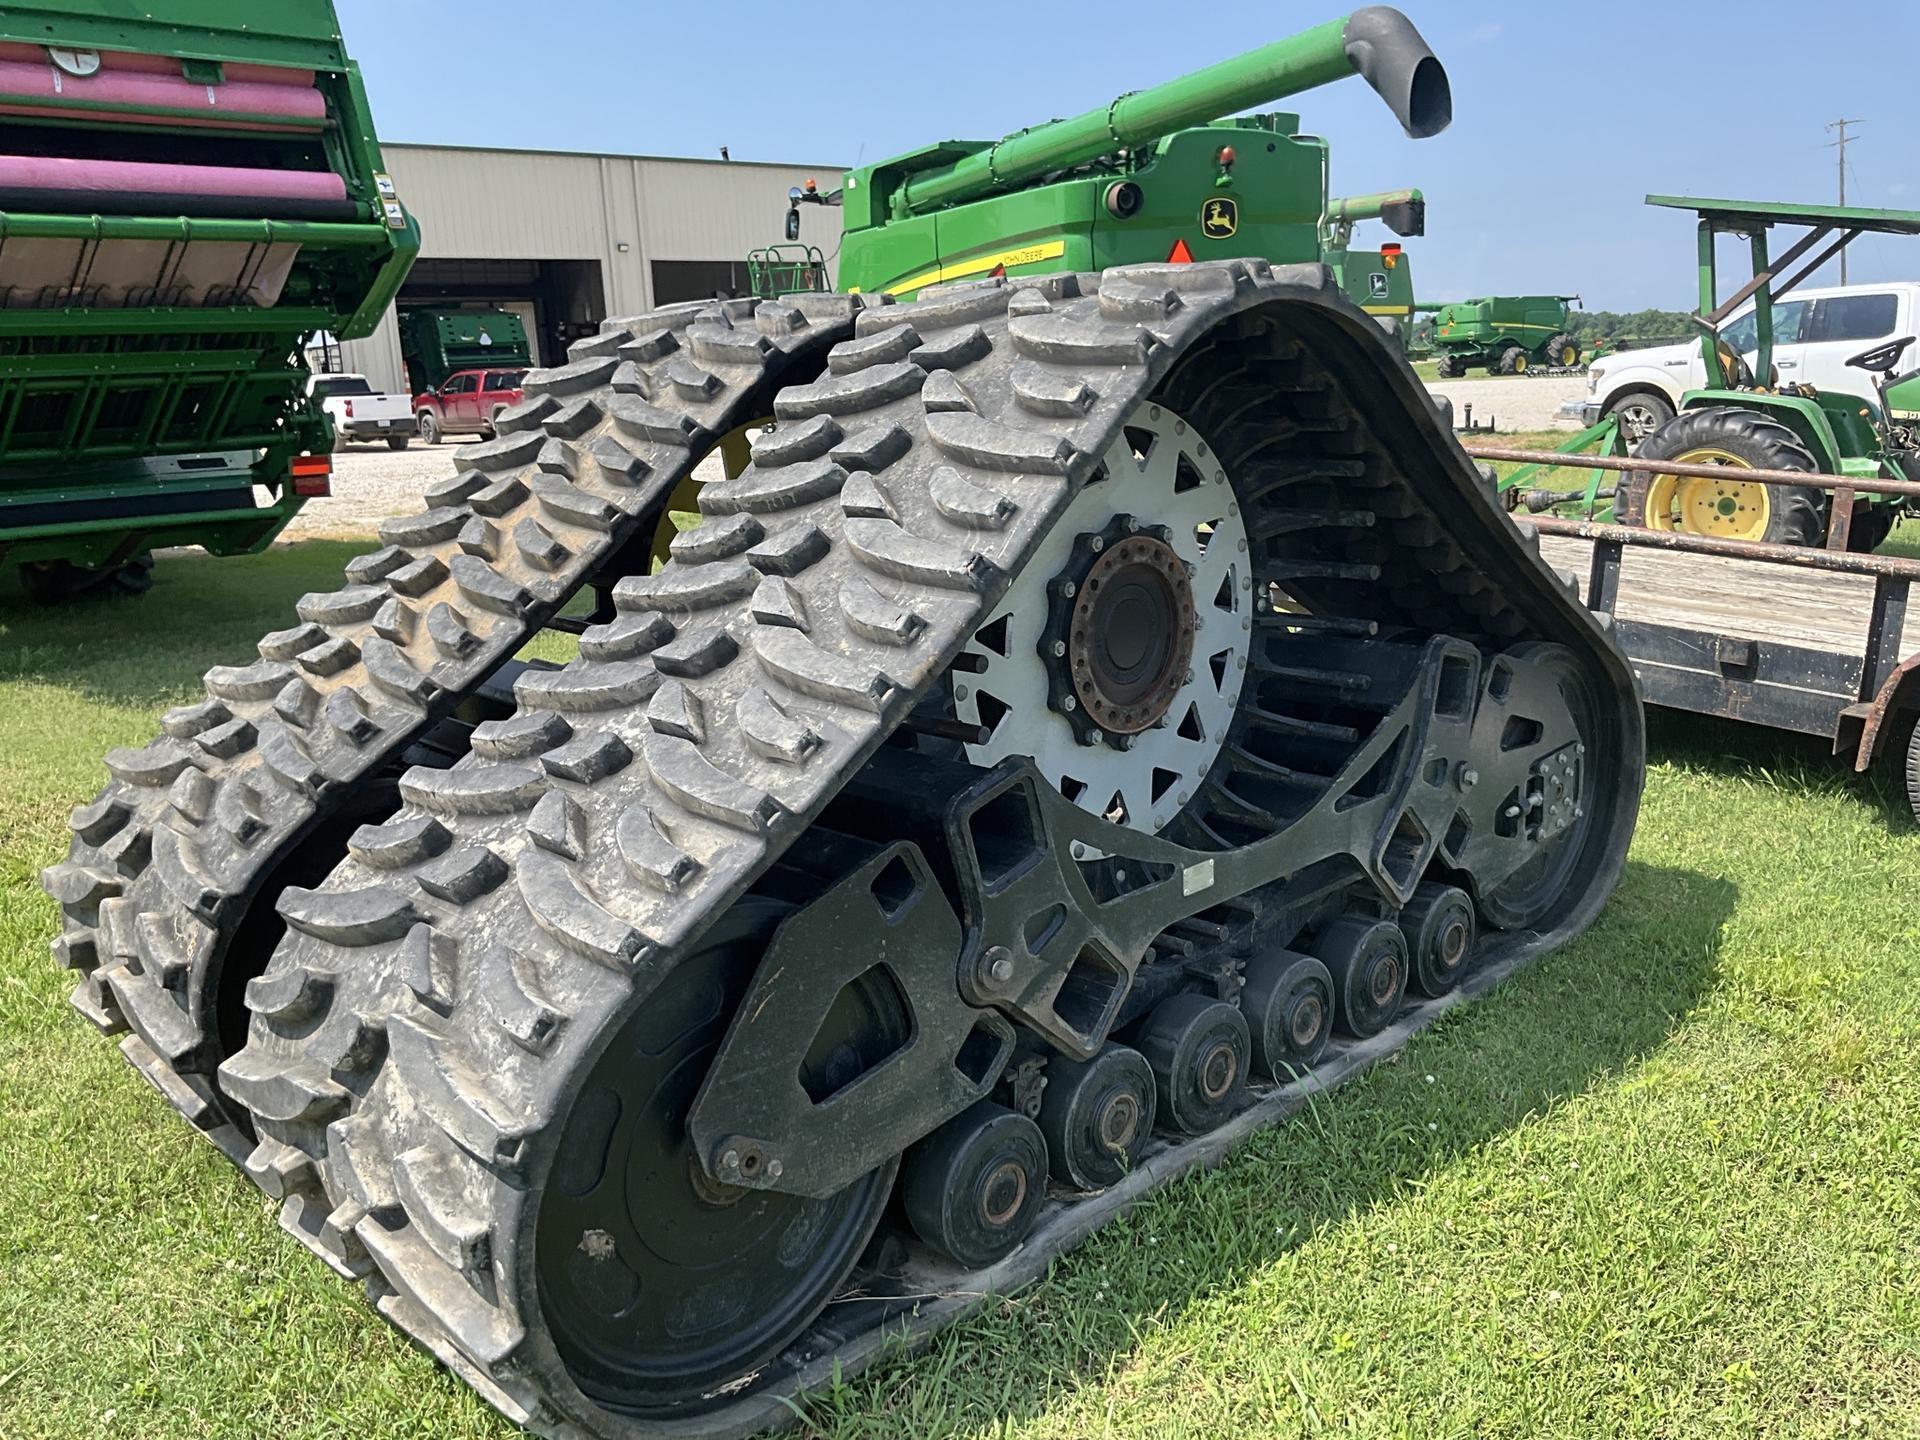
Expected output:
{"points": [[1219, 218]]}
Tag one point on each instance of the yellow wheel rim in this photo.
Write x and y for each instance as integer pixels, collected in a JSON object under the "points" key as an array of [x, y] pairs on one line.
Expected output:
{"points": [[1519, 364], [1569, 356], [683, 506], [1695, 505]]}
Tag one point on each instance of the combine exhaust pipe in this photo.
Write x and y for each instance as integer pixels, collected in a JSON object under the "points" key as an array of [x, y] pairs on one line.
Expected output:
{"points": [[1377, 43]]}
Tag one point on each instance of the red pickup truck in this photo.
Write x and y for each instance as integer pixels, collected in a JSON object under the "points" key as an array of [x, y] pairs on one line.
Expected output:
{"points": [[466, 402]]}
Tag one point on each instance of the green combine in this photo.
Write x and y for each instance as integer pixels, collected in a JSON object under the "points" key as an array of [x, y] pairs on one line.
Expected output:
{"points": [[1504, 334], [188, 191], [1155, 176]]}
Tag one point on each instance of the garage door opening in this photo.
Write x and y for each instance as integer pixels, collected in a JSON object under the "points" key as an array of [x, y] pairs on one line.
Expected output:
{"points": [[558, 301]]}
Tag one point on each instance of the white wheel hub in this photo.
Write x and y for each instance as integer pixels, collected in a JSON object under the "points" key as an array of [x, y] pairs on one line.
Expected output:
{"points": [[1166, 477]]}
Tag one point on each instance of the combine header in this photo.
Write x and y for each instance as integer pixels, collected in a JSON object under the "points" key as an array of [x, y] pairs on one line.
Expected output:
{"points": [[1106, 703], [183, 200]]}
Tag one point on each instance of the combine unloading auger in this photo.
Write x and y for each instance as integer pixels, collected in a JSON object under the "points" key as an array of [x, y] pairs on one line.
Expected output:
{"points": [[1103, 701]]}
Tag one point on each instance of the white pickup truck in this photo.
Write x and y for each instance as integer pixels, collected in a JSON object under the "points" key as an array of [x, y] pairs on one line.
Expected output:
{"points": [[1814, 333], [362, 413]]}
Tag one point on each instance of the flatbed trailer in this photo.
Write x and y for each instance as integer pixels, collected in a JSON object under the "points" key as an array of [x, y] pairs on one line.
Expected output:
{"points": [[1819, 641]]}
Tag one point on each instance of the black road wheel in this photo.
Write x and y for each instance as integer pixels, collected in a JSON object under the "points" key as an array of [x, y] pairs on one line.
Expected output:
{"points": [[1730, 438], [1096, 1116], [973, 1188], [1367, 959], [1639, 415], [54, 582], [1510, 361], [399, 442], [658, 1283], [429, 427], [1449, 366], [1198, 1048], [1560, 350], [1439, 926], [1288, 1002]]}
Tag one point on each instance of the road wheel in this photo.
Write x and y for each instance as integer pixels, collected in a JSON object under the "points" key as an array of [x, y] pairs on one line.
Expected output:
{"points": [[1728, 509], [399, 442], [1511, 361], [1449, 366], [1639, 415], [1562, 351], [493, 421], [429, 427]]}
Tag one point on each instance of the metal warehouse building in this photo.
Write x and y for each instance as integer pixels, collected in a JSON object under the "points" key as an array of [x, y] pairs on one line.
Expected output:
{"points": [[566, 239]]}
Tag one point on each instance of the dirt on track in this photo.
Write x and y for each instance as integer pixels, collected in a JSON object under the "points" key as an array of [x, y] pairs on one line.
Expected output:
{"points": [[372, 483]]}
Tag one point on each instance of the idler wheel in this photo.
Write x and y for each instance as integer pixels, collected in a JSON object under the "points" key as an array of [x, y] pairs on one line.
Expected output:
{"points": [[1096, 1116], [1198, 1048], [1439, 926], [1289, 1005], [1367, 959], [974, 1187]]}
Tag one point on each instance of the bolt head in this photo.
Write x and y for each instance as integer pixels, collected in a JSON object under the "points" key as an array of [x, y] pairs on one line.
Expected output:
{"points": [[1069, 704], [1068, 589], [730, 1160], [1058, 648], [1469, 777], [774, 1169], [1096, 543], [999, 963]]}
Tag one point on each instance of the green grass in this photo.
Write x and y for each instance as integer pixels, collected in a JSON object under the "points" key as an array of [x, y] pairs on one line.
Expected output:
{"points": [[1666, 1183]]}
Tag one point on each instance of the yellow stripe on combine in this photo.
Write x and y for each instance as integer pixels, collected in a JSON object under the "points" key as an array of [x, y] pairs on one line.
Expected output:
{"points": [[960, 269], [1388, 309]]}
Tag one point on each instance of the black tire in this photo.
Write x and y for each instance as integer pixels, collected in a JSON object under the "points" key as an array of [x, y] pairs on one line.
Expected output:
{"points": [[399, 442], [429, 427], [1510, 361], [56, 582], [1640, 413], [1871, 527], [1450, 366], [1913, 768], [493, 420], [1796, 514], [1560, 350]]}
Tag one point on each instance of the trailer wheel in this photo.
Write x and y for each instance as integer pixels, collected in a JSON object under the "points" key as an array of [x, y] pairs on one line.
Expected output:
{"points": [[1511, 361], [1729, 509], [53, 582]]}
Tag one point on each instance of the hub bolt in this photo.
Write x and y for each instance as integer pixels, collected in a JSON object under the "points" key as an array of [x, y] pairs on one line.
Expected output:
{"points": [[1468, 777], [998, 960]]}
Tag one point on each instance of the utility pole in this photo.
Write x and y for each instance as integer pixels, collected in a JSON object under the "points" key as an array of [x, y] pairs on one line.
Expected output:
{"points": [[1840, 147]]}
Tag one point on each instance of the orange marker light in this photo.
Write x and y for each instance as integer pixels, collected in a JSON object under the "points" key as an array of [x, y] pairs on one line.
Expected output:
{"points": [[1225, 157]]}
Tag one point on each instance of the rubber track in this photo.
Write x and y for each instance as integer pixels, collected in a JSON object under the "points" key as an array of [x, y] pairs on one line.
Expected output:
{"points": [[166, 860], [419, 1033]]}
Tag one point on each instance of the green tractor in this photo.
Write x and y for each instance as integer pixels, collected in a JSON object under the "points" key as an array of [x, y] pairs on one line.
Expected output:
{"points": [[1379, 281], [1504, 334], [1156, 176], [187, 193], [1745, 418]]}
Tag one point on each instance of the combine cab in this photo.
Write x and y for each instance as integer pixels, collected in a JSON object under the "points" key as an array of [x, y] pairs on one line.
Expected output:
{"points": [[1105, 705], [183, 200]]}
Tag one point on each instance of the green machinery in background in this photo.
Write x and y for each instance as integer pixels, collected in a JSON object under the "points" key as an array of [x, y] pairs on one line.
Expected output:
{"points": [[1744, 418], [436, 343], [1154, 176], [1379, 281], [188, 190], [1506, 334]]}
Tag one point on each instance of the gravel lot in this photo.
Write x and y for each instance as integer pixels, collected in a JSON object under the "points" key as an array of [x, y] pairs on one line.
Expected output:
{"points": [[371, 482]]}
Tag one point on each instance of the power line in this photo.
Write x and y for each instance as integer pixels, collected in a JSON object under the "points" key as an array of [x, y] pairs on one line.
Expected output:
{"points": [[1841, 146]]}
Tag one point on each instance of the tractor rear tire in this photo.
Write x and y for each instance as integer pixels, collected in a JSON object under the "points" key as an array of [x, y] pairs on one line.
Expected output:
{"points": [[1871, 527], [54, 582], [1730, 509], [1510, 361], [1561, 351]]}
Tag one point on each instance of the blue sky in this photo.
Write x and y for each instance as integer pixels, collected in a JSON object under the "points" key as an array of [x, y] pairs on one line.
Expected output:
{"points": [[1565, 115]]}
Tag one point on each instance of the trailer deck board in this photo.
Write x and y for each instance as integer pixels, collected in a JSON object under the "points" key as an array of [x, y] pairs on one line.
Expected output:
{"points": [[1737, 597]]}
